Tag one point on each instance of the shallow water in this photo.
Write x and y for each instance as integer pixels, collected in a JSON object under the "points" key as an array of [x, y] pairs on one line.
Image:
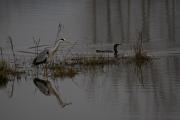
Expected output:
{"points": [[124, 91], [112, 92]]}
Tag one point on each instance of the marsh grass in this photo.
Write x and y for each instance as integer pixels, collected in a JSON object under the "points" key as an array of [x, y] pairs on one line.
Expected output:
{"points": [[90, 61], [140, 56], [3, 73], [64, 71], [6, 71], [72, 66]]}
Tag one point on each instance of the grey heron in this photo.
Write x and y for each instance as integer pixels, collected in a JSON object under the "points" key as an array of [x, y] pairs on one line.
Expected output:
{"points": [[110, 51], [47, 54]]}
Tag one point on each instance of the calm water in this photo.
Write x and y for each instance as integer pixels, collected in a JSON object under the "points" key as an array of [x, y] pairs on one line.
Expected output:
{"points": [[113, 92], [127, 92]]}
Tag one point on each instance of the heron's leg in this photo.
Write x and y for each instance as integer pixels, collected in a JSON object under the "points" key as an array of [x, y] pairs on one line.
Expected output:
{"points": [[46, 70], [44, 67]]}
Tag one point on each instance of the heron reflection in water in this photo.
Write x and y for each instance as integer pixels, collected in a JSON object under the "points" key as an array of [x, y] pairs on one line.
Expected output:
{"points": [[47, 89]]}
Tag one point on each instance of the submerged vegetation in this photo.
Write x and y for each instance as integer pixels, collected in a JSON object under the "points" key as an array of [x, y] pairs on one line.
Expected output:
{"points": [[90, 61], [6, 70], [62, 71]]}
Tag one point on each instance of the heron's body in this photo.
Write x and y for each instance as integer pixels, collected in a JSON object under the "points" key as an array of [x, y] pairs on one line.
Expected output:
{"points": [[46, 55], [41, 58]]}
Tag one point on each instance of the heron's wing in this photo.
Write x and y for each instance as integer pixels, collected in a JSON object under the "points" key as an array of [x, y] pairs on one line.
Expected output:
{"points": [[42, 56]]}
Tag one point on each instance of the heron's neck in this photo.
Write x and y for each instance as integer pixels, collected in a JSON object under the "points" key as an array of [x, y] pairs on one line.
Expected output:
{"points": [[115, 50], [55, 47]]}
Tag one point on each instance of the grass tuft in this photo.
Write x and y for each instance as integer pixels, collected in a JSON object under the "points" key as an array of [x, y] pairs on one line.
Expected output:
{"points": [[140, 56], [90, 61], [62, 71], [5, 71]]}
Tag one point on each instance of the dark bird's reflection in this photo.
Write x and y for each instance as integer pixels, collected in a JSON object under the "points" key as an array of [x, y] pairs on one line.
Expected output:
{"points": [[47, 89]]}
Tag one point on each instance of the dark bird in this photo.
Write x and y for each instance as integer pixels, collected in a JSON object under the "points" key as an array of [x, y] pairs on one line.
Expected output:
{"points": [[115, 51]]}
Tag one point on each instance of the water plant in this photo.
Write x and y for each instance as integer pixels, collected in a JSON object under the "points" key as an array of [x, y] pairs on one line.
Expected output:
{"points": [[64, 71], [140, 56], [3, 73], [93, 60]]}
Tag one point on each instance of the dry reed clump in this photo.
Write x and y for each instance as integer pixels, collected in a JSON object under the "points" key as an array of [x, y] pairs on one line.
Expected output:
{"points": [[3, 73], [6, 70], [62, 71], [140, 56]]}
